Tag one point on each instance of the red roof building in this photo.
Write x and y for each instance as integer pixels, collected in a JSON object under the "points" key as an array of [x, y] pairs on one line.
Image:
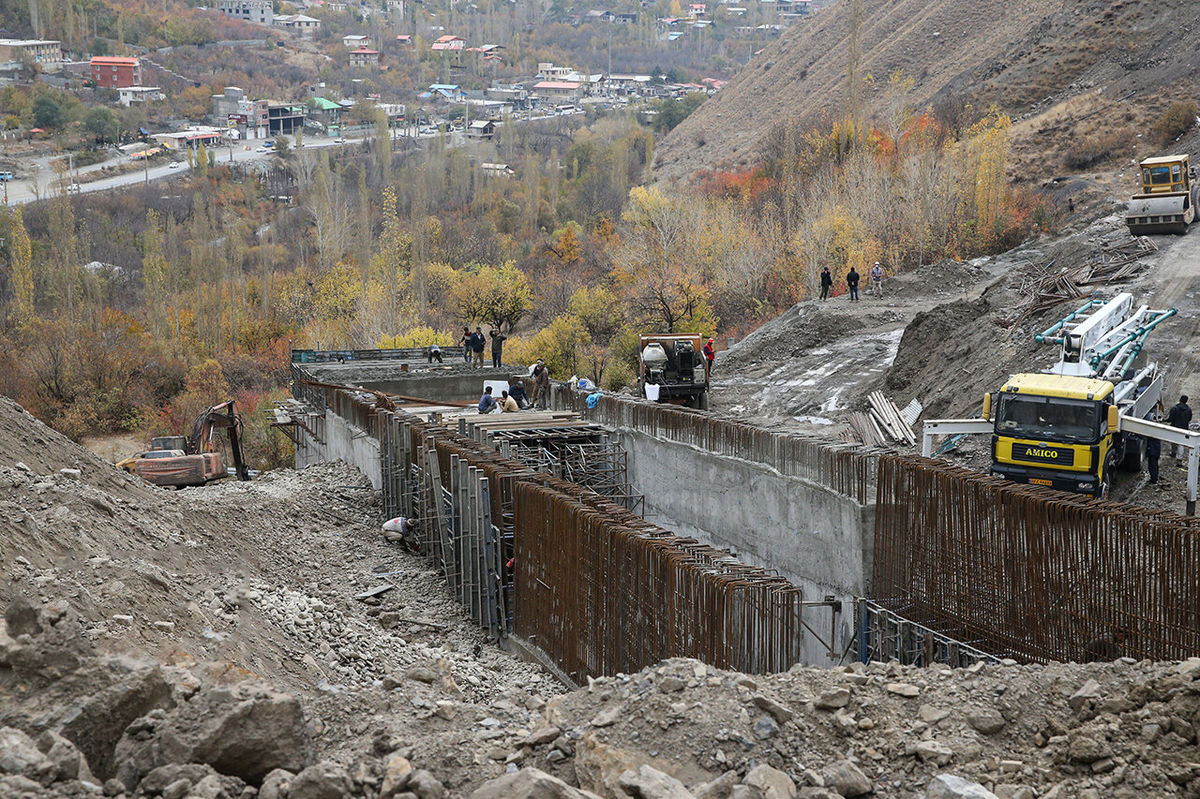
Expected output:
{"points": [[113, 72]]}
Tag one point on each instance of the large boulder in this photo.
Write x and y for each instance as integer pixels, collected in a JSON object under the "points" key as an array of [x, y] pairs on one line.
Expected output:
{"points": [[244, 731], [98, 720], [20, 757], [324, 780], [529, 783]]}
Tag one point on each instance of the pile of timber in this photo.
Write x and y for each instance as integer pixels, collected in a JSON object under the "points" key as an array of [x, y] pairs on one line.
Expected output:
{"points": [[1117, 260], [884, 423]]}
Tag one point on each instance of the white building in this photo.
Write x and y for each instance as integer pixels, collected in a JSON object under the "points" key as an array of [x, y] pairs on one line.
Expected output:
{"points": [[258, 11], [138, 94]]}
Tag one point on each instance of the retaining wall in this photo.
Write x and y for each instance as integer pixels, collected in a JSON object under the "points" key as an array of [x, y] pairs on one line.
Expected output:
{"points": [[343, 441], [711, 480]]}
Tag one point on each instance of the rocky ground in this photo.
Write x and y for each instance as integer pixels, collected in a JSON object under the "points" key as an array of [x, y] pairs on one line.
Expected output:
{"points": [[208, 644]]}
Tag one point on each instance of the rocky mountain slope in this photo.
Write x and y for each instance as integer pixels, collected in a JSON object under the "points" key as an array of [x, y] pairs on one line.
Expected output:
{"points": [[1073, 73]]}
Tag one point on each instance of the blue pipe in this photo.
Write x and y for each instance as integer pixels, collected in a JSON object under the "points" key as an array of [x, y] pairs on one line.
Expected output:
{"points": [[1041, 338]]}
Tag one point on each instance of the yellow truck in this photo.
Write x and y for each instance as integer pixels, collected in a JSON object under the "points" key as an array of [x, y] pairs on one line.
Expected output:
{"points": [[1074, 425]]}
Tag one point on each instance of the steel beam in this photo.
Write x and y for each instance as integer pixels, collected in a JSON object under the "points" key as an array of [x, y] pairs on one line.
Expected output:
{"points": [[951, 427]]}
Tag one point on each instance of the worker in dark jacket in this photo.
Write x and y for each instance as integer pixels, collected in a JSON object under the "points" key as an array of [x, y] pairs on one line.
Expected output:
{"points": [[498, 340], [1153, 451], [1180, 416], [487, 403], [826, 282], [852, 283]]}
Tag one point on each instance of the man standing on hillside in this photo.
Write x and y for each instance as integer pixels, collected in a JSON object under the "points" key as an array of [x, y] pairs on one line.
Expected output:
{"points": [[1180, 416], [710, 354], [877, 279], [498, 340], [852, 283], [826, 282]]}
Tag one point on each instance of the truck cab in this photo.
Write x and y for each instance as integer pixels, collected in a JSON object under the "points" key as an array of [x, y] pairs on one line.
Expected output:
{"points": [[1057, 431]]}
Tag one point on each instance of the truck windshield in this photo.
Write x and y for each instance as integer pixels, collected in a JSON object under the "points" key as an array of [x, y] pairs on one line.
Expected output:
{"points": [[1048, 418]]}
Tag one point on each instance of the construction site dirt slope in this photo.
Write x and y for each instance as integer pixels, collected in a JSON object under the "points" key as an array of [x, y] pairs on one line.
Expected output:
{"points": [[208, 644], [1076, 74]]}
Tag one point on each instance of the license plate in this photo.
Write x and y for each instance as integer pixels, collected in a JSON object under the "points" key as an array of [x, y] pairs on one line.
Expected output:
{"points": [[1037, 481]]}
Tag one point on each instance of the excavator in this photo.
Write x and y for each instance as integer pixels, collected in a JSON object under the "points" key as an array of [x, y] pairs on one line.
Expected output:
{"points": [[1167, 202], [178, 461]]}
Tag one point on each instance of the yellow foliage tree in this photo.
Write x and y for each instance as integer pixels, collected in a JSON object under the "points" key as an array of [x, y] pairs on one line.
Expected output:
{"points": [[498, 295], [21, 255]]}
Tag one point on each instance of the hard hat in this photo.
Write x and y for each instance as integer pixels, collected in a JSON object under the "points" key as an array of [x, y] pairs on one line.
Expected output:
{"points": [[710, 341]]}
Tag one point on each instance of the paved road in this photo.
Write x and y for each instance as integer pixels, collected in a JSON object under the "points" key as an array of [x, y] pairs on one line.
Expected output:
{"points": [[23, 191]]}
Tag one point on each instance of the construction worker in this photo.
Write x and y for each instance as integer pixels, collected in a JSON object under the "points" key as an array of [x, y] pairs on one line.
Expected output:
{"points": [[435, 353], [516, 390], [464, 341], [1106, 648], [852, 283], [478, 342], [877, 279], [1180, 416], [1153, 451], [498, 340], [541, 385], [710, 354], [826, 282], [487, 403], [507, 403]]}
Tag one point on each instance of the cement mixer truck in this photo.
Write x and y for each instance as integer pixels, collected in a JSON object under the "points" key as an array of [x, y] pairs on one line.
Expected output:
{"points": [[671, 368]]}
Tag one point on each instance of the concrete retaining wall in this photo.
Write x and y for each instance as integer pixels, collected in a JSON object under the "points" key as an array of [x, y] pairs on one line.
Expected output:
{"points": [[343, 441], [818, 539]]}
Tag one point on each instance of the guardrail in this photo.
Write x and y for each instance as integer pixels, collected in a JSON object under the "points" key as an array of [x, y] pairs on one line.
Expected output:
{"points": [[341, 356]]}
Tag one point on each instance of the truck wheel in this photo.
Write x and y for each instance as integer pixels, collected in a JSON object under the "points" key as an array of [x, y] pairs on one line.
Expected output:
{"points": [[1135, 454]]}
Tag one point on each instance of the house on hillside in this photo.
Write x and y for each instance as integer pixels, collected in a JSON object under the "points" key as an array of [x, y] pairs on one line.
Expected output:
{"points": [[357, 41], [46, 53], [363, 57], [445, 91], [497, 170], [482, 129], [404, 40], [302, 25], [449, 42], [327, 113], [258, 11], [558, 89], [129, 95], [112, 72]]}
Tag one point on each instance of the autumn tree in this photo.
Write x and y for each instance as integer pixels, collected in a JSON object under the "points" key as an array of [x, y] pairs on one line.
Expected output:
{"points": [[21, 257], [499, 295], [664, 289]]}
